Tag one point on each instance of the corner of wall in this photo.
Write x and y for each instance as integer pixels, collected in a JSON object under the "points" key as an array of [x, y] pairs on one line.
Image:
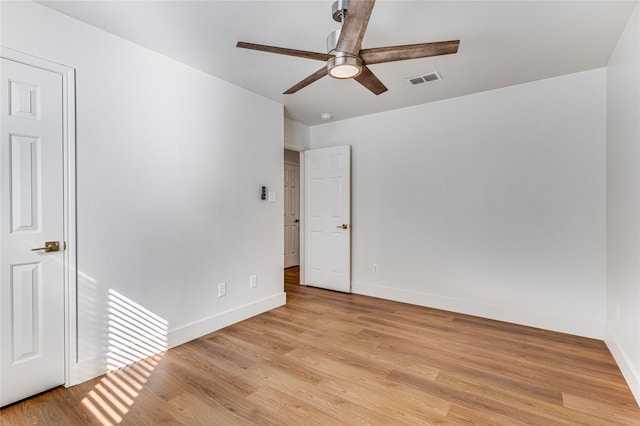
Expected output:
{"points": [[622, 358], [622, 334]]}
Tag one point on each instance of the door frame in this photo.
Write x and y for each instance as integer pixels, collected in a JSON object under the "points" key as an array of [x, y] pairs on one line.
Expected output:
{"points": [[69, 201], [300, 150]]}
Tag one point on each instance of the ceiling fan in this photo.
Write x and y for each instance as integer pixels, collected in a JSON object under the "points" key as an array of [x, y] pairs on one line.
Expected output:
{"points": [[345, 59]]}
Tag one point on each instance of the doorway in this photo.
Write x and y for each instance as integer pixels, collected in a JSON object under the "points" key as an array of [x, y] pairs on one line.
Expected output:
{"points": [[291, 208]]}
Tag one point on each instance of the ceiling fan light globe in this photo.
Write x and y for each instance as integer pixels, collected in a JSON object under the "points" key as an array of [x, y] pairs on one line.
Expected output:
{"points": [[343, 67], [344, 71]]}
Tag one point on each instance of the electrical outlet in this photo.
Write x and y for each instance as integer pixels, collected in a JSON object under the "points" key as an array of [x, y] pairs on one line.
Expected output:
{"points": [[222, 289], [253, 281], [376, 268]]}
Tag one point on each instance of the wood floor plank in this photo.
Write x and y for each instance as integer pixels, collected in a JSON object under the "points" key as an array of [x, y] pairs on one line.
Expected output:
{"points": [[329, 358], [370, 381], [528, 404], [608, 412], [289, 409], [466, 415], [465, 397], [192, 409]]}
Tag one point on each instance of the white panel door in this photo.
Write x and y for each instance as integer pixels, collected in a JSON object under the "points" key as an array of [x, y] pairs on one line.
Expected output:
{"points": [[291, 215], [32, 282], [327, 218]]}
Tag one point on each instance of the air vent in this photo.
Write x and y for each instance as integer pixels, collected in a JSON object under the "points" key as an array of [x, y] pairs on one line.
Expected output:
{"points": [[425, 78]]}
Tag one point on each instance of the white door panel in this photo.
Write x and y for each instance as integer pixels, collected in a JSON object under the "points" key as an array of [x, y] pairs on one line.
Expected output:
{"points": [[327, 218], [32, 282]]}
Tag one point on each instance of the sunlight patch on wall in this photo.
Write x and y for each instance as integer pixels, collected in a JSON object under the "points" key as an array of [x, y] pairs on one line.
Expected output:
{"points": [[137, 339], [134, 333]]}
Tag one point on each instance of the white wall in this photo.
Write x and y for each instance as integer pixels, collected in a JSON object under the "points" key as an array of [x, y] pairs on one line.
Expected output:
{"points": [[296, 135], [169, 172], [491, 204], [623, 203]]}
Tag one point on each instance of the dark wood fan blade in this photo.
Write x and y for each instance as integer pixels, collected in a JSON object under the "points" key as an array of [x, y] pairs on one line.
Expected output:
{"points": [[284, 51], [369, 80], [354, 27], [307, 81], [381, 55]]}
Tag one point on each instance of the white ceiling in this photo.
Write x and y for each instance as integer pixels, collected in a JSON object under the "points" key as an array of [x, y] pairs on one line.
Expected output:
{"points": [[502, 43]]}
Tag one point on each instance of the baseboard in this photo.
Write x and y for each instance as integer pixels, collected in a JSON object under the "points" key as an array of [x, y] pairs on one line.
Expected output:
{"points": [[97, 366], [576, 327], [224, 319], [629, 372]]}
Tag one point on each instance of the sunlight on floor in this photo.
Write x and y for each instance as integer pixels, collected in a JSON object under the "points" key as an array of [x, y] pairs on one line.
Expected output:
{"points": [[137, 341]]}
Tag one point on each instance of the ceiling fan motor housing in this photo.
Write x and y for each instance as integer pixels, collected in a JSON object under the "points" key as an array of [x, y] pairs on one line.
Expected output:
{"points": [[332, 41], [339, 10]]}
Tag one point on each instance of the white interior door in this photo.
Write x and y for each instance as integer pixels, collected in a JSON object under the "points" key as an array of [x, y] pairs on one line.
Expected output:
{"points": [[291, 215], [32, 282], [327, 260]]}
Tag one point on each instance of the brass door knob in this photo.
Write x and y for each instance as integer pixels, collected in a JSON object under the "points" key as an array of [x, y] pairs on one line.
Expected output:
{"points": [[343, 226], [49, 246]]}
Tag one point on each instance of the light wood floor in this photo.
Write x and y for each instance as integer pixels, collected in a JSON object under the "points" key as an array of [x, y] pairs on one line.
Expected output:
{"points": [[334, 359]]}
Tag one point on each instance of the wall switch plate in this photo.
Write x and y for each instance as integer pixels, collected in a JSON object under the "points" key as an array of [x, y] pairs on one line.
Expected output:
{"points": [[376, 268], [272, 196], [222, 289], [253, 281], [617, 312]]}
